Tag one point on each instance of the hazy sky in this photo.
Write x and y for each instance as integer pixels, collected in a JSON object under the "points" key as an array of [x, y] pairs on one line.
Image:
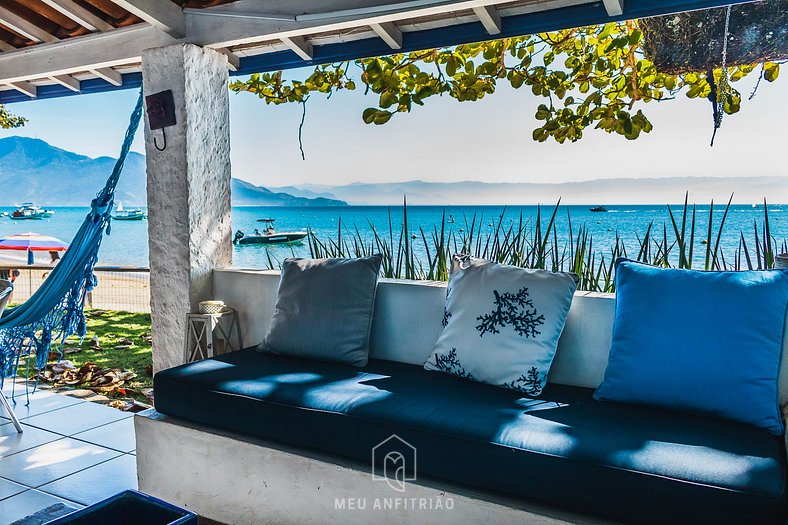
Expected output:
{"points": [[489, 140]]}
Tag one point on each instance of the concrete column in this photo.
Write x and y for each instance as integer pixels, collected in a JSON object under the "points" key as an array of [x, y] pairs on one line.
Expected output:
{"points": [[189, 228]]}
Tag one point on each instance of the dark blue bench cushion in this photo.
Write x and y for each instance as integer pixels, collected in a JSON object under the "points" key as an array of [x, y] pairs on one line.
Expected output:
{"points": [[632, 463]]}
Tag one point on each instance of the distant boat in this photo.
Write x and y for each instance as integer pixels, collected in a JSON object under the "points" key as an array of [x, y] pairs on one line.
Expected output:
{"points": [[268, 236], [29, 211], [128, 215], [597, 209]]}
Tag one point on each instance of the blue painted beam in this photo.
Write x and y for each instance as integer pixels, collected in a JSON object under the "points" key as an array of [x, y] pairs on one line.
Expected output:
{"points": [[527, 24], [555, 19], [93, 85]]}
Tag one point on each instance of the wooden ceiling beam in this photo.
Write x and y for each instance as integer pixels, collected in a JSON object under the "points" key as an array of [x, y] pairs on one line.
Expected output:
{"points": [[83, 53], [19, 25], [390, 33], [79, 14], [489, 17], [164, 14], [67, 81], [25, 87], [300, 46], [108, 74], [614, 7], [233, 61]]}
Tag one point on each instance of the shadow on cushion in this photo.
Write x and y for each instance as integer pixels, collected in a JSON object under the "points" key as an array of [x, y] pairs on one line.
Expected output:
{"points": [[636, 464]]}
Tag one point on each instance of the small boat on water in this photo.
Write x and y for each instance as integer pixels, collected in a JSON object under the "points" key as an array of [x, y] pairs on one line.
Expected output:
{"points": [[597, 209], [128, 215], [29, 211], [268, 236]]}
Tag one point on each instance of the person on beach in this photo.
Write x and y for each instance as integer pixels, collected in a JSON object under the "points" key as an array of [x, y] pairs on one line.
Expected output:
{"points": [[9, 274], [54, 259]]}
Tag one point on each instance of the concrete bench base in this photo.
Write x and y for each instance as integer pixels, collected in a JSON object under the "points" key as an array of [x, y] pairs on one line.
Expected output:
{"points": [[236, 479]]}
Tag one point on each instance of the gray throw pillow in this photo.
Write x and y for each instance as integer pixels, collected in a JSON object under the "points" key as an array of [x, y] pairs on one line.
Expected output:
{"points": [[324, 309]]}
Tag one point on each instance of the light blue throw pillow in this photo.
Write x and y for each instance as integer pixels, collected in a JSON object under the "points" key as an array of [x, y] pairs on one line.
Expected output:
{"points": [[705, 342]]}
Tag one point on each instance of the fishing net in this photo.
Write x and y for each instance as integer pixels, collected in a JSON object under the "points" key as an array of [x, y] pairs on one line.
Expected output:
{"points": [[693, 41]]}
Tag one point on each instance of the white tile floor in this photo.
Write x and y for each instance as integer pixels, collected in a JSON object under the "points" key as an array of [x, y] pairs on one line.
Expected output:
{"points": [[71, 451]]}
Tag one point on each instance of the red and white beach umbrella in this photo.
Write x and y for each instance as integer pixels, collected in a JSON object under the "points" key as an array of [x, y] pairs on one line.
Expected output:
{"points": [[32, 242]]}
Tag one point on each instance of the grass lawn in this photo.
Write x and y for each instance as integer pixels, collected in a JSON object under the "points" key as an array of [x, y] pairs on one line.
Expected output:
{"points": [[111, 327]]}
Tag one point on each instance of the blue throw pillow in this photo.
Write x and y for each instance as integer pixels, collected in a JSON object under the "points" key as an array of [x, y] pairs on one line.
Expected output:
{"points": [[706, 342]]}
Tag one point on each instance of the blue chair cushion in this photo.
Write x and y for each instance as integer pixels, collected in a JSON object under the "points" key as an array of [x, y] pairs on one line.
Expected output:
{"points": [[708, 342], [626, 462]]}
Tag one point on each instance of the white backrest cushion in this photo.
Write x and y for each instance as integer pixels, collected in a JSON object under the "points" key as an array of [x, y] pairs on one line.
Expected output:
{"points": [[407, 318], [407, 322], [253, 295]]}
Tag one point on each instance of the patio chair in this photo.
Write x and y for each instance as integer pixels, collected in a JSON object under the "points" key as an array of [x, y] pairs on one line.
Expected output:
{"points": [[6, 287], [56, 310]]}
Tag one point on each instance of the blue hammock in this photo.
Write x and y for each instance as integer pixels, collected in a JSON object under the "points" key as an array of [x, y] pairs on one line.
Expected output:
{"points": [[56, 310]]}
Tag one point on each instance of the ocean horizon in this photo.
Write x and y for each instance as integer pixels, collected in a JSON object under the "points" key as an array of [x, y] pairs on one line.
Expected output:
{"points": [[127, 244]]}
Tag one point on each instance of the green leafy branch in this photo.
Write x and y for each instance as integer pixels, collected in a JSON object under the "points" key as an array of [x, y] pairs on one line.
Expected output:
{"points": [[592, 77], [8, 120]]}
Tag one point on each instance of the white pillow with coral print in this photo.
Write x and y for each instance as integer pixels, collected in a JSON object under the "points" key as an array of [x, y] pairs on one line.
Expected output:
{"points": [[501, 324]]}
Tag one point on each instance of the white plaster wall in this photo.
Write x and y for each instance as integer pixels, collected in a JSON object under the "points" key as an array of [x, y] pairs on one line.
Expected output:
{"points": [[189, 225], [253, 294], [407, 321]]}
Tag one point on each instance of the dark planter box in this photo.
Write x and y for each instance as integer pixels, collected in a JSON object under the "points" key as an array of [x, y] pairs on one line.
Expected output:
{"points": [[129, 508]]}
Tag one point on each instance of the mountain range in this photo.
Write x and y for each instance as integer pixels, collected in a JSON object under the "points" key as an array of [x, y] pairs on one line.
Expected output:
{"points": [[620, 190], [33, 170]]}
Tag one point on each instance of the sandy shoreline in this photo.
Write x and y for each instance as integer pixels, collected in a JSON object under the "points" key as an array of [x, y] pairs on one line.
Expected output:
{"points": [[117, 289]]}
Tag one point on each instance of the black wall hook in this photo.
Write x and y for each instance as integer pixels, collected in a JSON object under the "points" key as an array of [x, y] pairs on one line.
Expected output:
{"points": [[161, 114], [164, 137]]}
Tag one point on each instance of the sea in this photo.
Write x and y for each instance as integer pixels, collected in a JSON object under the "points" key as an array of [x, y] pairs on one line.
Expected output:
{"points": [[127, 245]]}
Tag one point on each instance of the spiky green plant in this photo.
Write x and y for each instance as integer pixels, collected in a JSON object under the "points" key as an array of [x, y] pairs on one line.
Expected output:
{"points": [[529, 243]]}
